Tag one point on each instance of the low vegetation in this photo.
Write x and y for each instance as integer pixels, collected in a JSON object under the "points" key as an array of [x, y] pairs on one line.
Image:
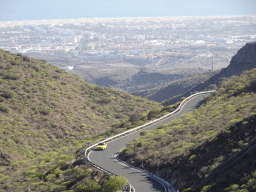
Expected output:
{"points": [[178, 87], [188, 150], [46, 115], [137, 119], [131, 78]]}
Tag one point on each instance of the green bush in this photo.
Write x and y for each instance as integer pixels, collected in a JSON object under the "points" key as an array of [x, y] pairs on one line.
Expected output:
{"points": [[2, 99], [11, 76], [63, 162], [139, 123], [1, 57], [232, 187], [56, 171], [66, 183], [82, 175], [4, 108], [43, 60], [140, 144], [45, 111], [114, 184], [142, 133], [50, 177], [70, 96], [58, 181], [56, 76], [70, 171], [14, 63], [83, 126], [56, 188], [206, 188], [192, 157], [59, 70], [153, 113], [119, 115], [26, 58], [54, 124], [34, 89], [8, 94], [88, 186], [136, 117], [187, 190], [27, 90], [55, 103], [9, 66], [30, 172], [106, 100], [36, 67], [39, 175]]}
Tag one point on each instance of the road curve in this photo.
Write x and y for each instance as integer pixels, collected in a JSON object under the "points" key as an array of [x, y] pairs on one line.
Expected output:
{"points": [[140, 182]]}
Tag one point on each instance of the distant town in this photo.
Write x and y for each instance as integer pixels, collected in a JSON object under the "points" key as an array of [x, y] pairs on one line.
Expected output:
{"points": [[181, 41]]}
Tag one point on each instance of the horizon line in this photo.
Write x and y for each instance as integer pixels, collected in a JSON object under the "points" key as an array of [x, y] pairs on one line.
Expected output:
{"points": [[92, 18]]}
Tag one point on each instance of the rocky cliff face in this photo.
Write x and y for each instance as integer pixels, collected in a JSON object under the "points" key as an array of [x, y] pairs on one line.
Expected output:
{"points": [[244, 60]]}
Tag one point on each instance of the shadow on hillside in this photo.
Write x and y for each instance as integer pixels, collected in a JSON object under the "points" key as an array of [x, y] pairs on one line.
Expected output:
{"points": [[154, 185], [247, 89], [209, 158], [244, 60], [197, 105]]}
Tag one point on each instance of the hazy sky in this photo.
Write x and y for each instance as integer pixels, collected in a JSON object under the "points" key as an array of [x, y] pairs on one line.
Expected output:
{"points": [[18, 10]]}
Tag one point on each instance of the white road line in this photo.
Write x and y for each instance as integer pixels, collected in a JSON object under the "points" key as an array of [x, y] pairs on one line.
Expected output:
{"points": [[143, 172], [175, 112]]}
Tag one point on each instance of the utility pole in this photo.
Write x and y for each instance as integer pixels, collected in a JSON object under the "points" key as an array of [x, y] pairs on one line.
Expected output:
{"points": [[212, 61]]}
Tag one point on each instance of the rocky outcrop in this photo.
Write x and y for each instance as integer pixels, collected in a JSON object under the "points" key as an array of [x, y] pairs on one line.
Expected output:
{"points": [[244, 60]]}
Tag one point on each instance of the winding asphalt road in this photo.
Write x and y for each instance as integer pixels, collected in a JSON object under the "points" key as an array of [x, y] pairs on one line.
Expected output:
{"points": [[141, 183]]}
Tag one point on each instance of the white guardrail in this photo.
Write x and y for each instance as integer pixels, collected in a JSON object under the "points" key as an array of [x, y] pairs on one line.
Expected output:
{"points": [[145, 125]]}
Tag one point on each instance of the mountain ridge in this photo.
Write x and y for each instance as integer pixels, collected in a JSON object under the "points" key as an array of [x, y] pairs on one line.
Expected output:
{"points": [[245, 59], [133, 78], [199, 144], [159, 94]]}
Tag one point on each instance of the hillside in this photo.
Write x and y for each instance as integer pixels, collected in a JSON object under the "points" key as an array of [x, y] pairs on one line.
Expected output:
{"points": [[130, 78], [196, 152], [46, 115], [245, 59], [178, 87]]}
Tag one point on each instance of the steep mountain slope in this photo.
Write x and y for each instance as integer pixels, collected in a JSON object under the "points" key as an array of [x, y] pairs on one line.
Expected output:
{"points": [[160, 94], [192, 148], [245, 59], [47, 114]]}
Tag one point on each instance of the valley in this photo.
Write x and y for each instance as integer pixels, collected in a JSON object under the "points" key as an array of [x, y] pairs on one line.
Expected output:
{"points": [[48, 116], [112, 52]]}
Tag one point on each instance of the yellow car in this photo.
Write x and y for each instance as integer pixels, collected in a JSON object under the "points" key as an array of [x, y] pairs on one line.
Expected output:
{"points": [[102, 146]]}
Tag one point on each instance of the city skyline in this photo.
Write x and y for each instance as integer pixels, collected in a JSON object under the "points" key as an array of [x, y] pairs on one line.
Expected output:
{"points": [[14, 10]]}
